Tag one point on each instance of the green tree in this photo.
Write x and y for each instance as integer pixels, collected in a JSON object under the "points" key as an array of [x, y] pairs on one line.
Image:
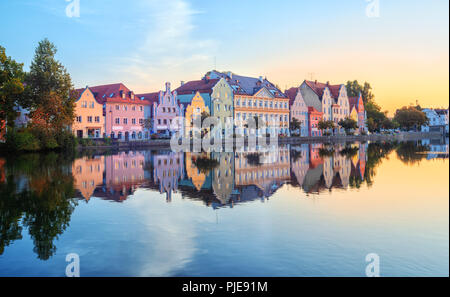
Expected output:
{"points": [[348, 124], [410, 117], [354, 89], [295, 124], [375, 117], [325, 125], [11, 87], [49, 90], [389, 124]]}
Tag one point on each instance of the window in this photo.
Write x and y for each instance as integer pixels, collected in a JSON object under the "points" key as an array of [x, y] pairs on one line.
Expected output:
{"points": [[141, 121], [97, 119], [125, 107], [125, 121], [84, 104], [140, 108], [117, 121], [89, 119], [133, 121], [133, 108], [117, 107], [79, 119]]}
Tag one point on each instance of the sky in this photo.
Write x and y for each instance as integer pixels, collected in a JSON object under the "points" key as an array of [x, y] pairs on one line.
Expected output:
{"points": [[400, 47]]}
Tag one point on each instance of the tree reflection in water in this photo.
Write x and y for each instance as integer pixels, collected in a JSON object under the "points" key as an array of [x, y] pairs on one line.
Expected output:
{"points": [[37, 195]]}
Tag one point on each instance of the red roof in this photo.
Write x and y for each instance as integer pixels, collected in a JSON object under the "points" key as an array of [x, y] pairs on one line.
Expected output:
{"points": [[353, 102], [202, 86], [313, 110], [150, 97], [318, 88], [113, 94], [291, 94]]}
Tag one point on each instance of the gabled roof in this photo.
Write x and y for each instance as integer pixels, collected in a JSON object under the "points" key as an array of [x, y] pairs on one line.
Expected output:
{"points": [[112, 93], [202, 86], [150, 97], [291, 94], [319, 88], [245, 85], [353, 102]]}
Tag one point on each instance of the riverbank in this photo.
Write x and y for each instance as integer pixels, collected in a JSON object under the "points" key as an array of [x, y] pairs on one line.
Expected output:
{"points": [[165, 143]]}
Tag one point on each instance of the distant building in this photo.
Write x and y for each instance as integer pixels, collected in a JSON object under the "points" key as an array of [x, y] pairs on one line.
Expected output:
{"points": [[314, 117], [166, 111], [438, 120], [257, 97], [298, 110], [331, 100], [358, 113]]}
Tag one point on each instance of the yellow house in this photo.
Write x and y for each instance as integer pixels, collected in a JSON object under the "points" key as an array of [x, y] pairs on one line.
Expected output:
{"points": [[89, 121], [354, 115], [194, 109]]}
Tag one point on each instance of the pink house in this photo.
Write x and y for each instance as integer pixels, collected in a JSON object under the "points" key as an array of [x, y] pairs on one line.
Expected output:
{"points": [[124, 112], [314, 117]]}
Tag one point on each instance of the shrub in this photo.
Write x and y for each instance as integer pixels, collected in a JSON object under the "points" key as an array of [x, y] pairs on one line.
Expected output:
{"points": [[108, 141], [22, 141], [66, 140]]}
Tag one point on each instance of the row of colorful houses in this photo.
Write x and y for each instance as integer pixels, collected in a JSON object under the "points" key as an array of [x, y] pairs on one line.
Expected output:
{"points": [[313, 102], [116, 111]]}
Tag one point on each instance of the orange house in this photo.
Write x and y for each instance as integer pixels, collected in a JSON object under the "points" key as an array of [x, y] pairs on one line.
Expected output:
{"points": [[89, 121]]}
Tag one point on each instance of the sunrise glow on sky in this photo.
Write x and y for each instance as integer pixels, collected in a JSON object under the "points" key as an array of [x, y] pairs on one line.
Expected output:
{"points": [[403, 53]]}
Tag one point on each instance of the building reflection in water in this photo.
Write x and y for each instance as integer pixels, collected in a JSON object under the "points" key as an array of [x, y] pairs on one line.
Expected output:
{"points": [[261, 179], [112, 177], [88, 175], [168, 170], [225, 179]]}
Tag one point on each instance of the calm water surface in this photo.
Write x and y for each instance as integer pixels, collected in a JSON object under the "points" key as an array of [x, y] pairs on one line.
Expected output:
{"points": [[307, 210]]}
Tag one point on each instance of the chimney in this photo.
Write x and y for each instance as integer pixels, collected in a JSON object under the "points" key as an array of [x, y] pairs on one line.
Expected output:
{"points": [[182, 83], [315, 82], [230, 74], [328, 83]]}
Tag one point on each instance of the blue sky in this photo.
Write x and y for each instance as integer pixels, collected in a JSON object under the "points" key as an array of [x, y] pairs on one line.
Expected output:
{"points": [[144, 43]]}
